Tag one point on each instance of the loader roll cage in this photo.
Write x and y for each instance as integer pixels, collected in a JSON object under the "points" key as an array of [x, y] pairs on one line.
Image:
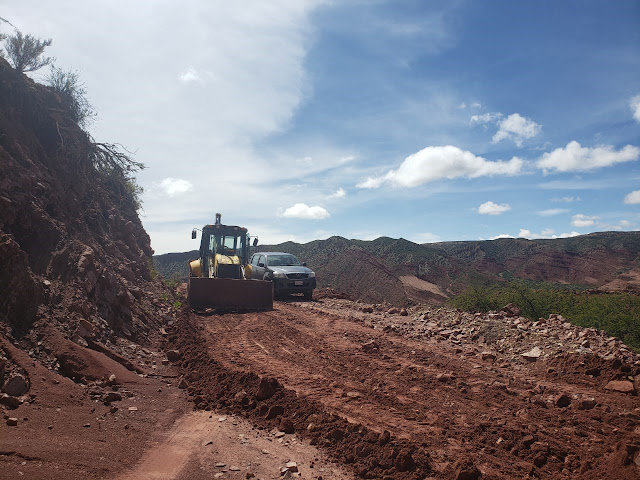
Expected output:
{"points": [[223, 240]]}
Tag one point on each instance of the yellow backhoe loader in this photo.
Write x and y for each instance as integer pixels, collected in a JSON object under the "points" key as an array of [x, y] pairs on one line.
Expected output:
{"points": [[217, 278]]}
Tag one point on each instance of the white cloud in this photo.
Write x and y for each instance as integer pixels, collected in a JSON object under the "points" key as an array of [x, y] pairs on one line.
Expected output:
{"points": [[175, 186], [546, 233], [476, 105], [552, 211], [371, 182], [490, 208], [581, 220], [304, 211], [426, 237], [625, 223], [516, 128], [502, 235], [566, 199], [490, 117], [575, 158], [635, 107], [191, 76], [632, 198], [435, 163], [567, 235], [340, 193]]}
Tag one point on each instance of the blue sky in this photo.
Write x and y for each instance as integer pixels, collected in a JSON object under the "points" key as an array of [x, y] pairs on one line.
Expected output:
{"points": [[430, 121]]}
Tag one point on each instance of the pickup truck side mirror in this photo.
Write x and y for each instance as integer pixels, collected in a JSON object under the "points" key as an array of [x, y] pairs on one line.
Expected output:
{"points": [[261, 264], [255, 242], [193, 234], [304, 264]]}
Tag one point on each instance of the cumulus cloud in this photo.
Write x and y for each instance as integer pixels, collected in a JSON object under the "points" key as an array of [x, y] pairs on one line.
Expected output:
{"points": [[191, 76], [340, 193], [635, 107], [304, 211], [517, 128], [502, 235], [581, 220], [175, 186], [435, 163], [490, 208], [552, 211], [575, 158], [632, 198]]}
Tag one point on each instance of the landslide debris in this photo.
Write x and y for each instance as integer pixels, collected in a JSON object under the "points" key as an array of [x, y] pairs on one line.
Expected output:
{"points": [[504, 333]]}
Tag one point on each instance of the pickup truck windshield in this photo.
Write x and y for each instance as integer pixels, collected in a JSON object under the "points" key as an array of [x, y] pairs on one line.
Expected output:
{"points": [[282, 260]]}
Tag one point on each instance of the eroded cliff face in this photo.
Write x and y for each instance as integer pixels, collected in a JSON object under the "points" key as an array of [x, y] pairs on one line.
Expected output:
{"points": [[73, 252]]}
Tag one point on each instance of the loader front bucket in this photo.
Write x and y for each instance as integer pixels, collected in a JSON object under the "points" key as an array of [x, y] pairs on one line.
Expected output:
{"points": [[229, 294]]}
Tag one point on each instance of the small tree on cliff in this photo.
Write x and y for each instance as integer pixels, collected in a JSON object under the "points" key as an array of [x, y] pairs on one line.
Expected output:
{"points": [[25, 52], [71, 89]]}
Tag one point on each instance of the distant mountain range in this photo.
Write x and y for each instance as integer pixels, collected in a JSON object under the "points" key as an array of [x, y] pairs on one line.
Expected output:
{"points": [[400, 272]]}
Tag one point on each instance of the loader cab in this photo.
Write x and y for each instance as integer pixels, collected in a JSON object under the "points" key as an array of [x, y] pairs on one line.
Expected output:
{"points": [[224, 240]]}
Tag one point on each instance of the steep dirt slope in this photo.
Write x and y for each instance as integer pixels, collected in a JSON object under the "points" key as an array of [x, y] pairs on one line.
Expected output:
{"points": [[71, 243], [75, 283]]}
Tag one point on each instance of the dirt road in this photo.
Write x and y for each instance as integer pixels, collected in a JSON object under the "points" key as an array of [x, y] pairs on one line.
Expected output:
{"points": [[453, 410]]}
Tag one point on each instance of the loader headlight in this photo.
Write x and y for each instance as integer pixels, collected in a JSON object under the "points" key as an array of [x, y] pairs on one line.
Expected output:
{"points": [[279, 275], [312, 274]]}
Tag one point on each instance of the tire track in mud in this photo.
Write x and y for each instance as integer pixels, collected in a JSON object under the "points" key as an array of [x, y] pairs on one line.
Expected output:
{"points": [[267, 403]]}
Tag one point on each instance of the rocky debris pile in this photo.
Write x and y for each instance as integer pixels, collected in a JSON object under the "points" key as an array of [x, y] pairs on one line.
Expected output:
{"points": [[505, 332]]}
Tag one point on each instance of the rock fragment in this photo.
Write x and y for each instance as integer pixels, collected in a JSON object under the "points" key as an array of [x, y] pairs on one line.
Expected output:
{"points": [[532, 355], [16, 385], [486, 355], [466, 470], [621, 386], [267, 388], [370, 346], [274, 411], [562, 401], [587, 404], [173, 355], [511, 310]]}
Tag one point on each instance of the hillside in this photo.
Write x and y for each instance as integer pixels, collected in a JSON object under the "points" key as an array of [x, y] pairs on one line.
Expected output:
{"points": [[399, 271]]}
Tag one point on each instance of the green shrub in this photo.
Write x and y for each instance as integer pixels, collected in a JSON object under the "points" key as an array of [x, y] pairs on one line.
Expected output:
{"points": [[618, 314]]}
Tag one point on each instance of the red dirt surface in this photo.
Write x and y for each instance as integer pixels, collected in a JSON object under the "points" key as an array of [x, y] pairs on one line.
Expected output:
{"points": [[394, 407]]}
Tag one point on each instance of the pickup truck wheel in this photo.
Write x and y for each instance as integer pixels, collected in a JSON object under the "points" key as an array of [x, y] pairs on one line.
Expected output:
{"points": [[308, 294]]}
